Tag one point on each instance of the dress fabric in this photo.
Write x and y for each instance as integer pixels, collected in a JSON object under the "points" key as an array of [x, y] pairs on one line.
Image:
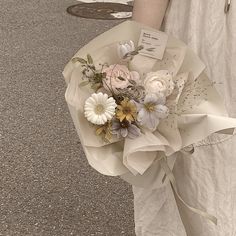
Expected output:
{"points": [[207, 179]]}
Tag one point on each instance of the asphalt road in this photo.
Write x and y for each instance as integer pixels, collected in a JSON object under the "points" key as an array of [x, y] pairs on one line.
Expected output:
{"points": [[46, 186]]}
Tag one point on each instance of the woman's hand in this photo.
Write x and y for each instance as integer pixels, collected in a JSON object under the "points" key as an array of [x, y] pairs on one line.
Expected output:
{"points": [[150, 12]]}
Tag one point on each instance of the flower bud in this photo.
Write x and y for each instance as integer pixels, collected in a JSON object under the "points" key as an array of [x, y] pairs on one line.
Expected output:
{"points": [[124, 48]]}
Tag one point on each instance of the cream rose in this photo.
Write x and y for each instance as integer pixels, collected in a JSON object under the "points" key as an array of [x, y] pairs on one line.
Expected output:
{"points": [[159, 82], [118, 77]]}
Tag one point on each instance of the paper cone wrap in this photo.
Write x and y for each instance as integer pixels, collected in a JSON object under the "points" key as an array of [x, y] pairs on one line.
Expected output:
{"points": [[137, 160]]}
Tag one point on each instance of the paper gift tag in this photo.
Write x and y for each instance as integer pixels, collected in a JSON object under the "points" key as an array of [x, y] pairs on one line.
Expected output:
{"points": [[154, 43]]}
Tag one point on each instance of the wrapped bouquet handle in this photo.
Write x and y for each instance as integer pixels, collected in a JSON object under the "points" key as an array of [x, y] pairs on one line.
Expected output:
{"points": [[172, 180]]}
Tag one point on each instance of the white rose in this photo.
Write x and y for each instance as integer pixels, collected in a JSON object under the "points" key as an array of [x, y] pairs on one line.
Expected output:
{"points": [[159, 82]]}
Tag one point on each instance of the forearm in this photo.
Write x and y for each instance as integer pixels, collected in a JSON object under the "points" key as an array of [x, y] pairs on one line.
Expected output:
{"points": [[150, 12]]}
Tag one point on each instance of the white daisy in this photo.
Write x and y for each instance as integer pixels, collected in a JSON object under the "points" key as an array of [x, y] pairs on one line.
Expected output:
{"points": [[99, 108]]}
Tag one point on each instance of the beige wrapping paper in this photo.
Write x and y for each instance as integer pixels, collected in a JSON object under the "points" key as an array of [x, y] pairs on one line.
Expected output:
{"points": [[136, 160]]}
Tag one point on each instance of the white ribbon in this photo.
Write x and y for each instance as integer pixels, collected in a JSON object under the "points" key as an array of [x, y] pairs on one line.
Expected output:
{"points": [[171, 178]]}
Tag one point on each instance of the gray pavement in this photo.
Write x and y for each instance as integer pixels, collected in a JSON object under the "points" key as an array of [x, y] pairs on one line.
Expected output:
{"points": [[46, 186]]}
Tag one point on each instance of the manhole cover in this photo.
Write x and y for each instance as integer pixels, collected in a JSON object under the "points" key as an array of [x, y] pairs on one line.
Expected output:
{"points": [[101, 10]]}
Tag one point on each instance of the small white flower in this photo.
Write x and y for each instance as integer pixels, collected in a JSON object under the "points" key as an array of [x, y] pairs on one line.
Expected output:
{"points": [[159, 83], [98, 108], [124, 48], [151, 111]]}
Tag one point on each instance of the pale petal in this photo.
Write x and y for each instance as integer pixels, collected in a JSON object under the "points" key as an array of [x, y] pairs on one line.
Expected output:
{"points": [[162, 111], [89, 115], [124, 49], [133, 131], [88, 108], [151, 97], [90, 101], [99, 98], [145, 117], [135, 76], [94, 119], [111, 113], [105, 96], [111, 103], [115, 125], [123, 132], [99, 120], [108, 116], [153, 122], [104, 118], [141, 115], [91, 118], [161, 98], [131, 43], [139, 106]]}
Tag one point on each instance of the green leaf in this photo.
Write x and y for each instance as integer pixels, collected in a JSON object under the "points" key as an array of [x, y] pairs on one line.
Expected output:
{"points": [[126, 55], [134, 53], [121, 78], [98, 77], [92, 67], [84, 83], [99, 130], [150, 49], [140, 47], [119, 89], [133, 82], [140, 87], [78, 59], [96, 86], [90, 59]]}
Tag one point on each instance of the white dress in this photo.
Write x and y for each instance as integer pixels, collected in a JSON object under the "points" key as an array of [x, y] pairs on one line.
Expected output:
{"points": [[206, 180]]}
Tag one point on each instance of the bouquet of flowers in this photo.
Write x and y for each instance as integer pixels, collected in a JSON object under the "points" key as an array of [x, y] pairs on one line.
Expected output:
{"points": [[134, 113]]}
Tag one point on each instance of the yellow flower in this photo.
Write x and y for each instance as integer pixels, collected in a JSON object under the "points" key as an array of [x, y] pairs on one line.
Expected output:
{"points": [[126, 110]]}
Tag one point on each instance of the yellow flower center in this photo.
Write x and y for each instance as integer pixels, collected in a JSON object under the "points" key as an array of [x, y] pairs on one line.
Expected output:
{"points": [[127, 110], [99, 109], [150, 107], [124, 124]]}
